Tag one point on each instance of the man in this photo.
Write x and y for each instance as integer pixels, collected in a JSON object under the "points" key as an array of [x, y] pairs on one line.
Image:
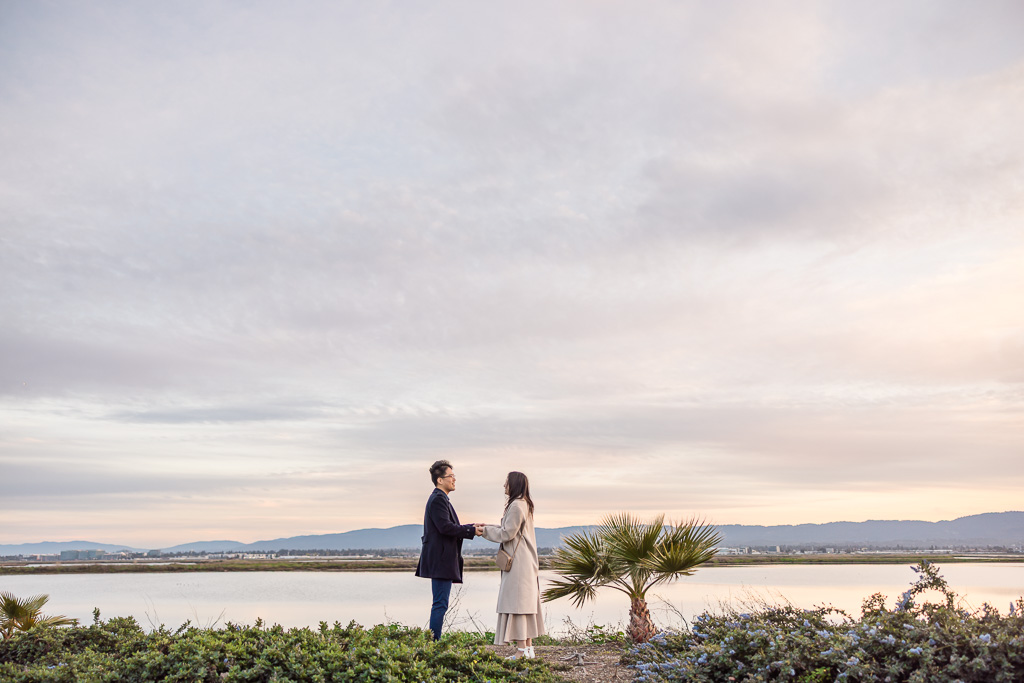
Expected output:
{"points": [[441, 554]]}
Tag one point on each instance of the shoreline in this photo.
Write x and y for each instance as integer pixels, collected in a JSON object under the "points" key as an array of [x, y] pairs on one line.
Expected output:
{"points": [[23, 568]]}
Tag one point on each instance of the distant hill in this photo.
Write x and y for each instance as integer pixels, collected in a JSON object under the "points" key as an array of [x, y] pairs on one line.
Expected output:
{"points": [[396, 537], [54, 547], [994, 528], [990, 529], [208, 547]]}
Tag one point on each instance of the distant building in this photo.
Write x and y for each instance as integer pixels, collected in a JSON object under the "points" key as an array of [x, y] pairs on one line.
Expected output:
{"points": [[97, 554]]}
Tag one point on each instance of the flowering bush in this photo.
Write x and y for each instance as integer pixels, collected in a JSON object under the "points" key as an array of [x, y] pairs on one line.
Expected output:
{"points": [[916, 641], [119, 650]]}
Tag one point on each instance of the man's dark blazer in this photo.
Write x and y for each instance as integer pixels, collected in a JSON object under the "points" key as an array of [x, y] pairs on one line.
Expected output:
{"points": [[441, 555]]}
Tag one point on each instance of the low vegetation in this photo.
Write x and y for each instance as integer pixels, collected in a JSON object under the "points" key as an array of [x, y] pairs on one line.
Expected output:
{"points": [[916, 641], [926, 637], [119, 650]]}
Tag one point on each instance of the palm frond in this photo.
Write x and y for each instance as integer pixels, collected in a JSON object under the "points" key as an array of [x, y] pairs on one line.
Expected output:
{"points": [[583, 561], [695, 533], [631, 540], [11, 607], [22, 614], [583, 555], [35, 603], [685, 546], [56, 620], [578, 591]]}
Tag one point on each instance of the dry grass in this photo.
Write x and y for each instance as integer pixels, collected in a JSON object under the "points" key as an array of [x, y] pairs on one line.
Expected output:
{"points": [[600, 663]]}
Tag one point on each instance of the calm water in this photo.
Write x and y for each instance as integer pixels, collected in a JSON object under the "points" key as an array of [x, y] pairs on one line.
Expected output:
{"points": [[306, 598]]}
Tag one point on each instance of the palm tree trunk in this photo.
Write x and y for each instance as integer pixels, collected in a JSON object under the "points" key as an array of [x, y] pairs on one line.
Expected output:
{"points": [[641, 626]]}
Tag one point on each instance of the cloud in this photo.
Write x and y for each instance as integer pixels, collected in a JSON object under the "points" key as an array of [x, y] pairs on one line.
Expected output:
{"points": [[41, 484], [773, 244]]}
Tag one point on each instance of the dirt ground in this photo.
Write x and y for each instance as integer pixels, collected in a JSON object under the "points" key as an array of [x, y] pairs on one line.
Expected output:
{"points": [[600, 662]]}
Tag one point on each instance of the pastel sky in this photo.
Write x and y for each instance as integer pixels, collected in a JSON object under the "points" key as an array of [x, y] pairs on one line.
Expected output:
{"points": [[261, 263]]}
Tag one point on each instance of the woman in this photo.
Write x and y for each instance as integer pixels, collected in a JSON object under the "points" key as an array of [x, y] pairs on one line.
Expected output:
{"points": [[519, 613]]}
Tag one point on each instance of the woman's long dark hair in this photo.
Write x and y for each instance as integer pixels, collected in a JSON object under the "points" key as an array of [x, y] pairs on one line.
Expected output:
{"points": [[518, 487]]}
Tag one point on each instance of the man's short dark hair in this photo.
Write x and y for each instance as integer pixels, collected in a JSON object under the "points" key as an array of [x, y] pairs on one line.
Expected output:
{"points": [[437, 470]]}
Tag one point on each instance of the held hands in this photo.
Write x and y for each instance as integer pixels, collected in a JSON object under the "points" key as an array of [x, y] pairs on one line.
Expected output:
{"points": [[479, 528]]}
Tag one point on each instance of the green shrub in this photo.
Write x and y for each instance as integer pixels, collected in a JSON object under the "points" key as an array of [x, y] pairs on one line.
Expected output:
{"points": [[119, 650], [917, 643]]}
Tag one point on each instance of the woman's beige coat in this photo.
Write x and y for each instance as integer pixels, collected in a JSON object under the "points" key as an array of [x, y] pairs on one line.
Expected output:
{"points": [[520, 586]]}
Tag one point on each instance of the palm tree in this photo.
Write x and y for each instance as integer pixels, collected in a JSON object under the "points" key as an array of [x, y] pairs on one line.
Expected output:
{"points": [[632, 557], [22, 615]]}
